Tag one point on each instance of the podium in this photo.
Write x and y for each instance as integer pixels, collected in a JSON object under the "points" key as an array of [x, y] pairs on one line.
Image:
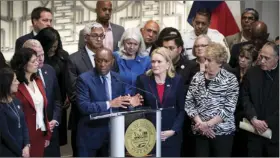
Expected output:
{"points": [[140, 139]]}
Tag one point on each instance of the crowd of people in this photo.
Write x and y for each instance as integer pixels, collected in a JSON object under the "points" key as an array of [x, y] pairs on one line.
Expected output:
{"points": [[208, 83]]}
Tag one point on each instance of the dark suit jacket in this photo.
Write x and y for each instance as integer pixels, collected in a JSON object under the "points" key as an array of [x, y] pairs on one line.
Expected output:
{"points": [[117, 34], [187, 69], [12, 139], [20, 41], [91, 98], [174, 95], [54, 107], [52, 93], [252, 99], [77, 64], [234, 39], [30, 113]]}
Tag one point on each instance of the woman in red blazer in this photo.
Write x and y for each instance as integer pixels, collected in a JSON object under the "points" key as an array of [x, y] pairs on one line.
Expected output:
{"points": [[32, 95]]}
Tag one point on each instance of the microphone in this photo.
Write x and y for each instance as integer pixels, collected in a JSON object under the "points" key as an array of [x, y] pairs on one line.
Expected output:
{"points": [[139, 89]]}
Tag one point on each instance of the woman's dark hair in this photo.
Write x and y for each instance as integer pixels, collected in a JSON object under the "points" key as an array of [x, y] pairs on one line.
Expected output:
{"points": [[47, 38], [166, 34], [19, 63], [7, 77], [2, 61]]}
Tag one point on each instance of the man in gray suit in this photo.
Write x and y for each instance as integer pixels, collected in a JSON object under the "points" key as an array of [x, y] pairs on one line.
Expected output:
{"points": [[248, 17], [113, 32], [78, 63]]}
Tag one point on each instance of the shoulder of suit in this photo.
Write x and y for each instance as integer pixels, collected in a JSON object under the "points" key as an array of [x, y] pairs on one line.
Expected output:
{"points": [[233, 36], [26, 36], [76, 54], [143, 77], [48, 67], [253, 71], [116, 75], [87, 74], [116, 25]]}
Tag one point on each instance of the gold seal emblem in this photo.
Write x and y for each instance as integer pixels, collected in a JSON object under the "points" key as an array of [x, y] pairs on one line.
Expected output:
{"points": [[140, 138]]}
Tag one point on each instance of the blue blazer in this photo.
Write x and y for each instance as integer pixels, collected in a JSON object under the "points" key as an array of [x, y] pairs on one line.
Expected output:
{"points": [[15, 139], [91, 98], [130, 69], [173, 96]]}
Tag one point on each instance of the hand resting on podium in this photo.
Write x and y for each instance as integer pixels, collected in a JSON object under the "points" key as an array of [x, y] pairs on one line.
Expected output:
{"points": [[124, 101]]}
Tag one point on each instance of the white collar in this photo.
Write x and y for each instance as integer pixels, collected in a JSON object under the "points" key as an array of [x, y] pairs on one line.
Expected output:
{"points": [[34, 33], [89, 52]]}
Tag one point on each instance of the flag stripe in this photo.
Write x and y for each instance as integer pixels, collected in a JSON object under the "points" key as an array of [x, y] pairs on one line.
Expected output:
{"points": [[222, 19]]}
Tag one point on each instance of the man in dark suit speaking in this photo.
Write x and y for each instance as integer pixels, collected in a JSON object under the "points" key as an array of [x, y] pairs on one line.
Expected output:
{"points": [[97, 91]]}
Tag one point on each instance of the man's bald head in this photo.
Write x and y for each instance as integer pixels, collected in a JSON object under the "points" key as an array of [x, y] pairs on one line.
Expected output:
{"points": [[104, 61], [101, 3], [103, 11], [259, 34], [259, 27], [150, 32], [103, 51]]}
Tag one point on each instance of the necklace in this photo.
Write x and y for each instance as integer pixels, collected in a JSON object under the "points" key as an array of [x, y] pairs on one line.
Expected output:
{"points": [[15, 111]]}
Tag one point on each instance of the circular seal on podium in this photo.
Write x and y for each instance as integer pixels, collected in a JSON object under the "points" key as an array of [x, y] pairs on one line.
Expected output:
{"points": [[140, 138]]}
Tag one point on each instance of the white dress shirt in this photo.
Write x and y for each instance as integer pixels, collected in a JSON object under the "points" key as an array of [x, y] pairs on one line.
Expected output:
{"points": [[91, 55], [38, 101], [41, 76]]}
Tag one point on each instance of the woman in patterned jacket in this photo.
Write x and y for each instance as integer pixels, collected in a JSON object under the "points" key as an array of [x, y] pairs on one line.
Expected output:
{"points": [[210, 103]]}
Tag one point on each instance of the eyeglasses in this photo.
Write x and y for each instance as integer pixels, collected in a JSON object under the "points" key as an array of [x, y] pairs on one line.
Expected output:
{"points": [[200, 45], [96, 36]]}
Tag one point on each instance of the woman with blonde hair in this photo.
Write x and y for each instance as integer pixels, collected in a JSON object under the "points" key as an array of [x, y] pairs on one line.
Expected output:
{"points": [[168, 92], [131, 59], [211, 102]]}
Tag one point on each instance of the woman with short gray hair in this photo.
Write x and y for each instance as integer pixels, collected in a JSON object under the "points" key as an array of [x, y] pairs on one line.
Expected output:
{"points": [[131, 59], [210, 103]]}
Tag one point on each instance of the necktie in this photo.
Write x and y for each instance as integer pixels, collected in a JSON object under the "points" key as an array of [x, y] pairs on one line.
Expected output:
{"points": [[106, 86]]}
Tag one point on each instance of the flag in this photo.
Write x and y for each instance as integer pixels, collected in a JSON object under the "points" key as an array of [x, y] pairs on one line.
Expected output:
{"points": [[225, 16]]}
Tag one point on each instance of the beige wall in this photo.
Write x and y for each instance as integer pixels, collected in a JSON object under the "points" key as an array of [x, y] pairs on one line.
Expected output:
{"points": [[71, 16]]}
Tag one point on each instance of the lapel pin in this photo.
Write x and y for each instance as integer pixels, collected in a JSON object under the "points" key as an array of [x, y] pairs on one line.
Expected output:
{"points": [[182, 66], [18, 107], [168, 85], [46, 72]]}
